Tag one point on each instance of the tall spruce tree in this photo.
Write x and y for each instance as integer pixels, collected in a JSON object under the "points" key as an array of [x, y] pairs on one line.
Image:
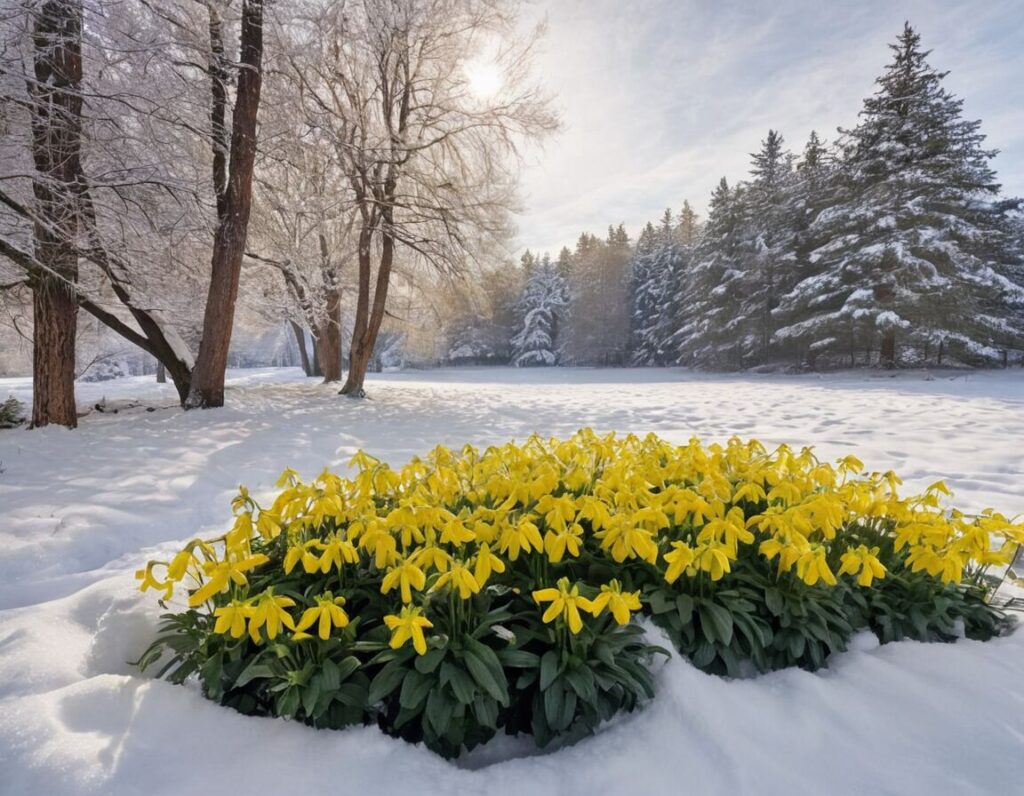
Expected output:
{"points": [[709, 325], [915, 254], [767, 251], [540, 307]]}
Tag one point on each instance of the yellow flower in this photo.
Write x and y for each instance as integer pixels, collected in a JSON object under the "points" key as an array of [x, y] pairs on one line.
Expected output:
{"points": [[788, 551], [557, 542], [268, 609], [559, 512], [460, 578], [713, 559], [268, 525], [626, 540], [863, 561], [618, 603], [221, 574], [566, 602], [409, 624], [456, 533], [949, 565], [149, 581], [729, 531], [407, 576], [486, 562], [679, 558], [327, 613], [336, 552], [432, 556], [179, 565], [812, 567], [301, 552], [231, 618], [288, 477], [376, 540], [523, 536]]}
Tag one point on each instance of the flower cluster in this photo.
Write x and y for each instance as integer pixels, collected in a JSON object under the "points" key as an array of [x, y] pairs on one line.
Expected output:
{"points": [[579, 534]]}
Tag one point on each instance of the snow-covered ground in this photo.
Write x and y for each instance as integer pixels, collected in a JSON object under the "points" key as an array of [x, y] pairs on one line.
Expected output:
{"points": [[79, 511]]}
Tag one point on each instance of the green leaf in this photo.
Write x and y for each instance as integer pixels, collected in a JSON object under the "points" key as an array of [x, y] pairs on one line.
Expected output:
{"points": [[518, 659], [549, 669], [661, 602], [486, 669], [310, 695], [581, 681], [329, 676], [716, 622], [347, 667], [253, 671], [439, 710], [684, 607], [462, 684], [486, 711], [568, 710], [430, 661], [554, 697], [386, 681], [352, 694], [415, 688]]}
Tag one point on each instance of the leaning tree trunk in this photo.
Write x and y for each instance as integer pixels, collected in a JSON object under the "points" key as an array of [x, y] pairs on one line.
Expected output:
{"points": [[300, 341], [56, 151], [368, 320], [207, 389]]}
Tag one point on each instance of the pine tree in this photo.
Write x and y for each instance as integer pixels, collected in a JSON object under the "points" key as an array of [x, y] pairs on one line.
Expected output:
{"points": [[767, 250], [914, 251], [709, 323], [540, 306], [657, 271], [643, 302]]}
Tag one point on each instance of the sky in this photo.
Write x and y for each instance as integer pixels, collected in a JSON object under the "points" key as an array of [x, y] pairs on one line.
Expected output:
{"points": [[659, 99]]}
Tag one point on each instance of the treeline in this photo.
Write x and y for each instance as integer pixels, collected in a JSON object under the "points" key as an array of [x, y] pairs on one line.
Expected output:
{"points": [[889, 246]]}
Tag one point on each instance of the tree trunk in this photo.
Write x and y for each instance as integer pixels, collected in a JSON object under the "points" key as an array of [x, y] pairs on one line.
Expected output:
{"points": [[368, 321], [330, 338], [207, 388], [887, 349], [300, 339], [161, 373], [56, 152], [317, 370]]}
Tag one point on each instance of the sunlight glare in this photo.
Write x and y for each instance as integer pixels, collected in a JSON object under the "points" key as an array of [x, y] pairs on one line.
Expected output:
{"points": [[484, 77]]}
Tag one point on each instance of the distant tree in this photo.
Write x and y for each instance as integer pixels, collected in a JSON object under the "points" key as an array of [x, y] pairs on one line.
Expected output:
{"points": [[540, 308], [710, 328]]}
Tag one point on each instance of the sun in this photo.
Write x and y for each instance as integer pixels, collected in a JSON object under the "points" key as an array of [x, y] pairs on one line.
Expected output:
{"points": [[483, 77]]}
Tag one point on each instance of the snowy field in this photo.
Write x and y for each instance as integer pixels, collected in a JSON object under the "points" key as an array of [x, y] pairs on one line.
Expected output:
{"points": [[82, 509]]}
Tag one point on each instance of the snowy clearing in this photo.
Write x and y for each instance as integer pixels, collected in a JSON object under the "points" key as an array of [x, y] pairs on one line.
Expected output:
{"points": [[82, 509]]}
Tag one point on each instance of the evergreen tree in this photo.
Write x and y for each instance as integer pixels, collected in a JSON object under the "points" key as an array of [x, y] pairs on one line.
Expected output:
{"points": [[540, 306], [767, 248], [598, 326], [709, 323], [914, 249]]}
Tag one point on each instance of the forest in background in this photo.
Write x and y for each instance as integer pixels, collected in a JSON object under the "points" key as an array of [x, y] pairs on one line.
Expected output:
{"points": [[379, 191], [890, 246]]}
